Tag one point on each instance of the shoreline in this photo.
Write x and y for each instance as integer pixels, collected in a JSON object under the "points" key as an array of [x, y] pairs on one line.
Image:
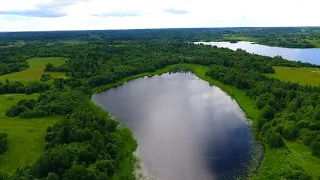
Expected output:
{"points": [[259, 43], [246, 104]]}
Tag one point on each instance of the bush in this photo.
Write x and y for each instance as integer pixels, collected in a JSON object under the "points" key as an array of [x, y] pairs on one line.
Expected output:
{"points": [[289, 131], [275, 140], [52, 176], [267, 112], [315, 148], [293, 172], [3, 142], [15, 111], [79, 172], [45, 77]]}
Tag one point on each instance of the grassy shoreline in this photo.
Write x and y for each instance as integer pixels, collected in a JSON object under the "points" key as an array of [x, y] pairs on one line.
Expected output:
{"points": [[273, 159], [245, 103]]}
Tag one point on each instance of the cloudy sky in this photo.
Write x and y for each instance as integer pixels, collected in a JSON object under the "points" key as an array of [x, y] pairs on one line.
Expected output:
{"points": [[35, 15]]}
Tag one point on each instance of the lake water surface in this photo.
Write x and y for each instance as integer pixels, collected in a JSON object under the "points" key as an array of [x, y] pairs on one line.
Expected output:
{"points": [[310, 55], [186, 129]]}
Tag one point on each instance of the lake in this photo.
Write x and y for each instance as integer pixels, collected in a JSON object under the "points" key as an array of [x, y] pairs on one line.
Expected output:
{"points": [[310, 55], [186, 129]]}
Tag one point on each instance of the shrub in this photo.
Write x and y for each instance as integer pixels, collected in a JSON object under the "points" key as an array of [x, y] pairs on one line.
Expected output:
{"points": [[315, 148], [3, 142]]}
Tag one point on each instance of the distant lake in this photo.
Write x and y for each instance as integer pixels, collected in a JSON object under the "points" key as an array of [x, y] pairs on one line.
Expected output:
{"points": [[186, 129], [310, 55]]}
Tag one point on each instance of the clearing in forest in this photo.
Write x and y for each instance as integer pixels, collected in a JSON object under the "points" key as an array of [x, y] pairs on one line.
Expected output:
{"points": [[26, 136], [36, 69], [303, 76]]}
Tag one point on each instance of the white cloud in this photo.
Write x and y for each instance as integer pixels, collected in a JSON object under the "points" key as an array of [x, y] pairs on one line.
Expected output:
{"points": [[26, 15]]}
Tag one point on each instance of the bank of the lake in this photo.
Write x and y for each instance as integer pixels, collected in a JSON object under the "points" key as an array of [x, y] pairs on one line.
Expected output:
{"points": [[179, 112], [309, 55], [273, 158], [247, 104]]}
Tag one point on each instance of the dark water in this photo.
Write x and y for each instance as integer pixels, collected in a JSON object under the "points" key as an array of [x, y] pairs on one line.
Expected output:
{"points": [[186, 129], [310, 55]]}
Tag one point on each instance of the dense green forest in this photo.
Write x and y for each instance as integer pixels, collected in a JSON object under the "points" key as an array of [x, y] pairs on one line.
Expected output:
{"points": [[88, 143], [291, 37]]}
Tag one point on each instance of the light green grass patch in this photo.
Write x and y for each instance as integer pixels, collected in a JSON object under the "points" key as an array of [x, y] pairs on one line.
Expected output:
{"points": [[314, 42], [36, 69], [294, 153], [239, 38], [303, 76], [273, 161], [301, 154], [26, 136]]}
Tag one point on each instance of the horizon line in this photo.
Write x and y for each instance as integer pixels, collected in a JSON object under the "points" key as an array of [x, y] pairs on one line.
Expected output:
{"points": [[132, 29]]}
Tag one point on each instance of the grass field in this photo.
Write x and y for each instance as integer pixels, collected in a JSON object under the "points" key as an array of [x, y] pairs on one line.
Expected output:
{"points": [[314, 42], [239, 38], [36, 70], [301, 154], [303, 76], [294, 153], [26, 136]]}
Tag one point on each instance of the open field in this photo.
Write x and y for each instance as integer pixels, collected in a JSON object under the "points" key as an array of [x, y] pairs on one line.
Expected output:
{"points": [[35, 71], [303, 76], [26, 136], [314, 42], [239, 38]]}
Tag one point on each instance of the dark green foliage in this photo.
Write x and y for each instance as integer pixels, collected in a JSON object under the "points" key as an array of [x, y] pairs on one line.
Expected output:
{"points": [[266, 99], [3, 176], [293, 172], [289, 130], [7, 68], [79, 172], [17, 87], [45, 77], [267, 112], [315, 148], [55, 160], [3, 143], [52, 176], [275, 140]]}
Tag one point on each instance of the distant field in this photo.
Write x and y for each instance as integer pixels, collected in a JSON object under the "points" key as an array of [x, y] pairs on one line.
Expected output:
{"points": [[238, 38], [14, 44], [301, 75], [26, 136], [314, 42], [36, 70]]}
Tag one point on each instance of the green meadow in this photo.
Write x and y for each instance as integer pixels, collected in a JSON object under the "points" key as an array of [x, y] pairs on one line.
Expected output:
{"points": [[26, 136], [238, 38], [36, 69], [303, 76], [314, 42]]}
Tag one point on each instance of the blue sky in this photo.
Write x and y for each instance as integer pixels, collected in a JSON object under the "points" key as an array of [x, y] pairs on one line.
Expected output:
{"points": [[37, 15]]}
